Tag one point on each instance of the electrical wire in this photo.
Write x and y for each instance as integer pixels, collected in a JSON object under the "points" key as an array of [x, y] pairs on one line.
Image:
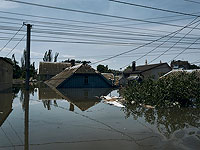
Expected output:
{"points": [[185, 49], [192, 1], [153, 8], [175, 44], [142, 45], [16, 45], [99, 14], [11, 38], [96, 23]]}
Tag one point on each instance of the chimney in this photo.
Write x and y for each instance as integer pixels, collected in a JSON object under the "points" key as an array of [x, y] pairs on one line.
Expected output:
{"points": [[73, 62], [133, 66]]}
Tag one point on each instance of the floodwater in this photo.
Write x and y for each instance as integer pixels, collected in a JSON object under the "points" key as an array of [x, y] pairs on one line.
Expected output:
{"points": [[76, 119]]}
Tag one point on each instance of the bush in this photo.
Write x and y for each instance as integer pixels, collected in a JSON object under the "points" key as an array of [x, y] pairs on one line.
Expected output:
{"points": [[176, 89]]}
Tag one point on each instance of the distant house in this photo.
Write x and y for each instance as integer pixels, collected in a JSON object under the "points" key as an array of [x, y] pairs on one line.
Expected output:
{"points": [[49, 69], [147, 71], [180, 64], [79, 76], [6, 74]]}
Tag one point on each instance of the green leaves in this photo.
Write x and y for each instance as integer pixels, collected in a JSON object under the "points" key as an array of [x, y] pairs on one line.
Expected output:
{"points": [[176, 89]]}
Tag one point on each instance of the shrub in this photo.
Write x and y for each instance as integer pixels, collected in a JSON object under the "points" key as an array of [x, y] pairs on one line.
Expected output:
{"points": [[178, 88]]}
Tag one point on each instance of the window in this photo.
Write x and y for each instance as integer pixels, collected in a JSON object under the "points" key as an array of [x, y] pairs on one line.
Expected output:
{"points": [[86, 80]]}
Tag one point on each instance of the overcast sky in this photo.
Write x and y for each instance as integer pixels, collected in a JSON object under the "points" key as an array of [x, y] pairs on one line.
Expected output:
{"points": [[110, 37]]}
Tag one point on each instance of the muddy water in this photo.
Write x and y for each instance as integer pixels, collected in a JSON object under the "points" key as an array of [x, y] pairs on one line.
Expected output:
{"points": [[77, 119]]}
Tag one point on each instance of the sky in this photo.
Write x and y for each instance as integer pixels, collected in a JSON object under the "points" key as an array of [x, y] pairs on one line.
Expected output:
{"points": [[94, 38]]}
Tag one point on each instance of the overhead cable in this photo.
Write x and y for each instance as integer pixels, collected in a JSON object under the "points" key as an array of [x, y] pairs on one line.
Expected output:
{"points": [[11, 38]]}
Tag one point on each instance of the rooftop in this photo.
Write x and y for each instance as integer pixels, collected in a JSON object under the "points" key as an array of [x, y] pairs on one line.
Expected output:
{"points": [[143, 68]]}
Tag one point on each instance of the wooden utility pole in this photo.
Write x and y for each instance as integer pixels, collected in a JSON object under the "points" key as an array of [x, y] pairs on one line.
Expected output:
{"points": [[28, 44], [26, 95]]}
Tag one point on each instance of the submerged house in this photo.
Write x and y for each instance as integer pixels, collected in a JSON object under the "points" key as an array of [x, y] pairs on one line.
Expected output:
{"points": [[79, 76], [49, 69], [147, 71], [6, 74]]}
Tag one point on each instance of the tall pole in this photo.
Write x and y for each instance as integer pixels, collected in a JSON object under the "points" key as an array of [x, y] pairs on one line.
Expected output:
{"points": [[26, 94], [28, 45]]}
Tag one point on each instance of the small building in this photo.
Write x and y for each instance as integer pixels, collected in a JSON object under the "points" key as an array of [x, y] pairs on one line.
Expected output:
{"points": [[147, 71], [79, 76], [6, 74], [49, 69], [179, 64]]}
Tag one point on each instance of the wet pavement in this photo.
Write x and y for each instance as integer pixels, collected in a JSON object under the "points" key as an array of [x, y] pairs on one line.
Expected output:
{"points": [[50, 119]]}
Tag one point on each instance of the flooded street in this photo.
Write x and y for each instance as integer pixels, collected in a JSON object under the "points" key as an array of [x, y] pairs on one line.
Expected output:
{"points": [[79, 119]]}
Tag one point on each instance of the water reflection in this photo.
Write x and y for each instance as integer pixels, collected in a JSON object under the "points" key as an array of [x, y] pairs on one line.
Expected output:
{"points": [[6, 100], [81, 98], [102, 127], [169, 122]]}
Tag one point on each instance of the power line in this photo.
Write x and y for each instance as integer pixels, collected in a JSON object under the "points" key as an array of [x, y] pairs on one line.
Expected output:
{"points": [[99, 56], [97, 14], [97, 36], [140, 46], [87, 22], [154, 8], [16, 45], [59, 37], [166, 40], [185, 49], [9, 140], [15, 131], [110, 29], [11, 38], [176, 43], [71, 33], [192, 1], [191, 23]]}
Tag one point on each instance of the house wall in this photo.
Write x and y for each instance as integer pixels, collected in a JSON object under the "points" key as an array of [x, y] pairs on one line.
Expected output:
{"points": [[77, 81], [6, 75], [156, 72]]}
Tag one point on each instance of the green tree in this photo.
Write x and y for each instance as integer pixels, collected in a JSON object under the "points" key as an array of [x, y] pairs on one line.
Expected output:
{"points": [[48, 56], [56, 57], [23, 65], [33, 70], [16, 68], [103, 69]]}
